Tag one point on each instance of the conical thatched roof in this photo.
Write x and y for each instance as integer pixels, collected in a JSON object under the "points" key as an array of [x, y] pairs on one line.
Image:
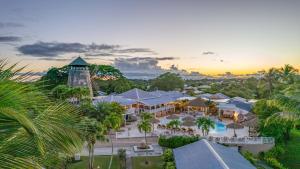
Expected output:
{"points": [[188, 123], [154, 120], [172, 116], [250, 123], [198, 102], [235, 125], [188, 118]]}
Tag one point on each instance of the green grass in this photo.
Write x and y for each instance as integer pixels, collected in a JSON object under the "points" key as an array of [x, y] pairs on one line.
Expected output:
{"points": [[291, 158], [154, 163], [102, 161]]}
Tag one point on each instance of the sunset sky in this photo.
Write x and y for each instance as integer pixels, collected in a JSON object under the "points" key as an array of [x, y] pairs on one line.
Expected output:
{"points": [[210, 37]]}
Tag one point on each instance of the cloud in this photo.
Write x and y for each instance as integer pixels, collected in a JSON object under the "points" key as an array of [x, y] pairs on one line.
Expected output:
{"points": [[135, 50], [57, 49], [10, 25], [10, 39], [208, 53], [54, 49], [140, 63]]}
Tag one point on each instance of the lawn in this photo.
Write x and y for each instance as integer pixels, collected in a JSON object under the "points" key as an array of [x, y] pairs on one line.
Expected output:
{"points": [[291, 158], [154, 163], [101, 161]]}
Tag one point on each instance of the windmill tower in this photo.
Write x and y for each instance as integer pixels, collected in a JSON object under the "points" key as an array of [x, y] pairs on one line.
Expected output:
{"points": [[79, 75]]}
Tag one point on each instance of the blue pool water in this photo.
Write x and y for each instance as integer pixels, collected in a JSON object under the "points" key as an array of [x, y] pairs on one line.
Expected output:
{"points": [[219, 127]]}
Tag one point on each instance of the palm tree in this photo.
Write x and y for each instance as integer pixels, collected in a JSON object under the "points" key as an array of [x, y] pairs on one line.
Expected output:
{"points": [[33, 130], [200, 122], [145, 124], [93, 131], [205, 124], [270, 78], [287, 74], [174, 124], [113, 122]]}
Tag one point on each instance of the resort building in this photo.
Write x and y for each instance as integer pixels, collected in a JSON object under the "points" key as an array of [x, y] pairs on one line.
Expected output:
{"points": [[160, 103], [208, 155]]}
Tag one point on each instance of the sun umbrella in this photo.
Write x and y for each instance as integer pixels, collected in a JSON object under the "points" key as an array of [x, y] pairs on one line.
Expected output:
{"points": [[172, 117], [154, 120], [235, 125], [188, 123], [188, 118]]}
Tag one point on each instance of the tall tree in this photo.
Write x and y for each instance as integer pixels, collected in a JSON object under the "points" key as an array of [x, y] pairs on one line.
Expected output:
{"points": [[287, 74], [174, 124], [92, 131], [113, 122], [270, 77], [205, 124], [145, 124], [167, 81]]}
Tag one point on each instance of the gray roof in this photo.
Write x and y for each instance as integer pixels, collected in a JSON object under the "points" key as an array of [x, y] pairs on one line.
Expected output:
{"points": [[158, 100], [207, 155], [78, 62], [242, 105], [219, 96], [137, 94], [118, 99]]}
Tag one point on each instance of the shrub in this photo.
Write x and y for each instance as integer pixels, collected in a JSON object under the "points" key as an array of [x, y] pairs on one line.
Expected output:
{"points": [[249, 156], [176, 141], [168, 155], [170, 165], [273, 162], [275, 152]]}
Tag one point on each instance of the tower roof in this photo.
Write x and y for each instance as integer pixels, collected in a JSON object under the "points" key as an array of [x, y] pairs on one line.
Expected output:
{"points": [[78, 62]]}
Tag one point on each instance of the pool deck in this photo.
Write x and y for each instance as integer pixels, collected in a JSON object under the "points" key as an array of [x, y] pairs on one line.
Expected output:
{"points": [[131, 131]]}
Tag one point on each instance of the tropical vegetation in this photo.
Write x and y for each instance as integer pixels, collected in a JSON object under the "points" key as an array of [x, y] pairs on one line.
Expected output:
{"points": [[35, 132], [205, 124]]}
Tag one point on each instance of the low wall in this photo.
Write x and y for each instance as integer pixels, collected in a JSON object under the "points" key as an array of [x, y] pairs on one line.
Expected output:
{"points": [[256, 148]]}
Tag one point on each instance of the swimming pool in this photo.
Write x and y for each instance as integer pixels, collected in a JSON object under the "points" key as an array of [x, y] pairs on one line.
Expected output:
{"points": [[219, 127]]}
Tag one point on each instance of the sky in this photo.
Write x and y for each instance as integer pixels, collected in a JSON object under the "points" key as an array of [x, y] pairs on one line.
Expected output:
{"points": [[210, 37]]}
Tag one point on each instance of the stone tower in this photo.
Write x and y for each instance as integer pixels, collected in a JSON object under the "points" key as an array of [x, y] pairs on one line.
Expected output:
{"points": [[79, 75]]}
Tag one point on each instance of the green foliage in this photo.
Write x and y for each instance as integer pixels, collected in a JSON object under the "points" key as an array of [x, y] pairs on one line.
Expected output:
{"points": [[168, 155], [275, 152], [64, 92], [273, 162], [170, 165], [277, 127], [205, 124], [167, 82], [144, 124], [168, 159], [102, 110], [34, 131], [263, 110], [114, 85], [174, 124], [55, 76], [122, 157], [176, 141], [249, 156]]}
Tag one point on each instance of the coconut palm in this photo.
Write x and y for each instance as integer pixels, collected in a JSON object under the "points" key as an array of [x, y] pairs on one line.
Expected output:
{"points": [[93, 131], [205, 124], [145, 124], [113, 122], [174, 124], [270, 77], [34, 132], [287, 74]]}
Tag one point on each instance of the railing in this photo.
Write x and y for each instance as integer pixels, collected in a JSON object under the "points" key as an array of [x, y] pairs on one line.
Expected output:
{"points": [[165, 108], [242, 140]]}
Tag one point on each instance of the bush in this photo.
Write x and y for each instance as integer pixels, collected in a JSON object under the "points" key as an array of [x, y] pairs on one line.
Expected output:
{"points": [[273, 162], [170, 165], [249, 156], [176, 141], [168, 155], [275, 152]]}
